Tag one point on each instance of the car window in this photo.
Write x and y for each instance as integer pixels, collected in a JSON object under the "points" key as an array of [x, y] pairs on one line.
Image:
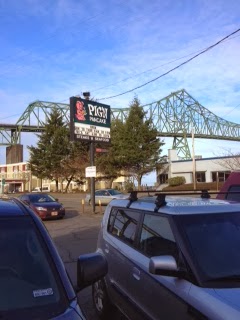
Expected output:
{"points": [[41, 198], [123, 224], [214, 243], [114, 192], [23, 198], [157, 237], [28, 278], [233, 196], [99, 193]]}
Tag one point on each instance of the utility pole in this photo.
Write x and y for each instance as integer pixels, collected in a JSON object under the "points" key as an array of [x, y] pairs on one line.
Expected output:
{"points": [[193, 160]]}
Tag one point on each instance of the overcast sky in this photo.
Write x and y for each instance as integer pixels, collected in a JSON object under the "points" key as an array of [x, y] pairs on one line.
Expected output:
{"points": [[51, 50]]}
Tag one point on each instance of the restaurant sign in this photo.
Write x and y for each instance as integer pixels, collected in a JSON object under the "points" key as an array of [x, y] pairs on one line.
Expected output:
{"points": [[89, 120]]}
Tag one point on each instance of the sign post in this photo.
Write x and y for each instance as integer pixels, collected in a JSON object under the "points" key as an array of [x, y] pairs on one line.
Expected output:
{"points": [[90, 121], [3, 184]]}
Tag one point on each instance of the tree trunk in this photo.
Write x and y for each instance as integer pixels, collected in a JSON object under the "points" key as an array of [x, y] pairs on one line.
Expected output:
{"points": [[111, 182], [56, 185], [68, 183], [139, 180]]}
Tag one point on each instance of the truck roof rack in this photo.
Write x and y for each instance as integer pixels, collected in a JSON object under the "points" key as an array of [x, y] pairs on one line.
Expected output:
{"points": [[133, 197], [161, 195], [160, 201]]}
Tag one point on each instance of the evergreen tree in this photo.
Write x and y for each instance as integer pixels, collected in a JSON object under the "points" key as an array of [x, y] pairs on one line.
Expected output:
{"points": [[54, 154], [138, 146], [108, 164], [74, 165]]}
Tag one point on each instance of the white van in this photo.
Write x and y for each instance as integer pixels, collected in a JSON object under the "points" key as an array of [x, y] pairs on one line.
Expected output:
{"points": [[43, 189]]}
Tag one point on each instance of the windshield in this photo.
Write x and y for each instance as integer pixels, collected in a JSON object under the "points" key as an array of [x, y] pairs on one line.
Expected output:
{"points": [[29, 286], [114, 192], [214, 242], [41, 198]]}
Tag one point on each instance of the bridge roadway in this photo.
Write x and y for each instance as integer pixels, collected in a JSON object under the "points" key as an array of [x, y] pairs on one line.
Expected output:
{"points": [[23, 128]]}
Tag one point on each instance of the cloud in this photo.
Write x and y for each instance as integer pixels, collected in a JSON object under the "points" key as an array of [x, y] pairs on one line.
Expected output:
{"points": [[53, 50]]}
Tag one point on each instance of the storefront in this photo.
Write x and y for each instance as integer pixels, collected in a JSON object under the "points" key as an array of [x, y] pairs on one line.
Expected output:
{"points": [[13, 186]]}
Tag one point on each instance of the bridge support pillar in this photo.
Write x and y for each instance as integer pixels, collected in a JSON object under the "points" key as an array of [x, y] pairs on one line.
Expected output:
{"points": [[14, 154]]}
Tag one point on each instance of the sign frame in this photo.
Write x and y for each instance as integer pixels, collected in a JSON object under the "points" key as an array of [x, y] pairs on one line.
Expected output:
{"points": [[89, 120]]}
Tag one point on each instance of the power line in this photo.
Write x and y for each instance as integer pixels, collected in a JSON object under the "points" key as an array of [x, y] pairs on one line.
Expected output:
{"points": [[231, 110], [148, 70], [154, 68], [164, 74], [13, 115]]}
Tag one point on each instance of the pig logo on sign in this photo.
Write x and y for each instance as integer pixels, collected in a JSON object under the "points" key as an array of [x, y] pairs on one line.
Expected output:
{"points": [[80, 111]]}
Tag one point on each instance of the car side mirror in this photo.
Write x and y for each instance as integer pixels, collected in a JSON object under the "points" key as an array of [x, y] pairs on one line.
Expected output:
{"points": [[90, 268], [165, 266]]}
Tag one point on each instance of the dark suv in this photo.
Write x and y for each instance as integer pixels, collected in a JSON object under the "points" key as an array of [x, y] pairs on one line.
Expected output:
{"points": [[34, 284], [170, 257]]}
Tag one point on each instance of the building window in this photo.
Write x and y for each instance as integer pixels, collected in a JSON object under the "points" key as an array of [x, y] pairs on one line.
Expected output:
{"points": [[3, 169], [15, 169], [220, 176], [162, 178], [200, 177]]}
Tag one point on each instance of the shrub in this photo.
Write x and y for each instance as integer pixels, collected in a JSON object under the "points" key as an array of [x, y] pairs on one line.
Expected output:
{"points": [[129, 186], [176, 181]]}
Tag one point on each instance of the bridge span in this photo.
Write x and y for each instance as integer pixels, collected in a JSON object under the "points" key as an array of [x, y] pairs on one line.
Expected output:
{"points": [[175, 116]]}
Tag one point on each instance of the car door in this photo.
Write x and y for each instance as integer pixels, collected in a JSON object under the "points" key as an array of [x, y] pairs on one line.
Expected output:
{"points": [[101, 197], [118, 246], [106, 197], [158, 297]]}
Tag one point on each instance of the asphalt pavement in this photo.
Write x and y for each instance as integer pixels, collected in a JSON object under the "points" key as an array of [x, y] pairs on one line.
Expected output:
{"points": [[74, 235]]}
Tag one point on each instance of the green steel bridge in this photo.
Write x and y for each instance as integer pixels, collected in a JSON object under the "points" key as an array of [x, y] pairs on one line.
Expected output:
{"points": [[176, 116]]}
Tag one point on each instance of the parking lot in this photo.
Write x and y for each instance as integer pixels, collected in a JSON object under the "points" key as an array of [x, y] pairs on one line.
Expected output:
{"points": [[74, 235]]}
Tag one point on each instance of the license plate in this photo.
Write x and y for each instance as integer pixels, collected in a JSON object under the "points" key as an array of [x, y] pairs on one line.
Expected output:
{"points": [[54, 213]]}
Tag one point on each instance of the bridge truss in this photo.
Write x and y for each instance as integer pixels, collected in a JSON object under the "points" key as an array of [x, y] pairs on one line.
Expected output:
{"points": [[176, 116]]}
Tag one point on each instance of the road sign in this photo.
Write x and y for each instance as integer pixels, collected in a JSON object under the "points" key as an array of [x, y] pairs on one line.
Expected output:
{"points": [[90, 172]]}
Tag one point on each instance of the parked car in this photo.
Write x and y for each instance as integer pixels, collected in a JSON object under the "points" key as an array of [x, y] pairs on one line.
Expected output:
{"points": [[105, 196], [33, 281], [44, 205], [41, 189], [170, 257]]}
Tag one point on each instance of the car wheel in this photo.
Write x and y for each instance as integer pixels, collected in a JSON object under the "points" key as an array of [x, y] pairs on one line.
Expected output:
{"points": [[101, 302]]}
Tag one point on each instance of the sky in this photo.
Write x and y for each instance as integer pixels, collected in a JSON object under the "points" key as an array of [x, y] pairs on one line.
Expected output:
{"points": [[52, 50]]}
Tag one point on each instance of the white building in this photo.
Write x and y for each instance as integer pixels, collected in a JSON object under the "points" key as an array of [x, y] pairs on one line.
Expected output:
{"points": [[206, 169]]}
